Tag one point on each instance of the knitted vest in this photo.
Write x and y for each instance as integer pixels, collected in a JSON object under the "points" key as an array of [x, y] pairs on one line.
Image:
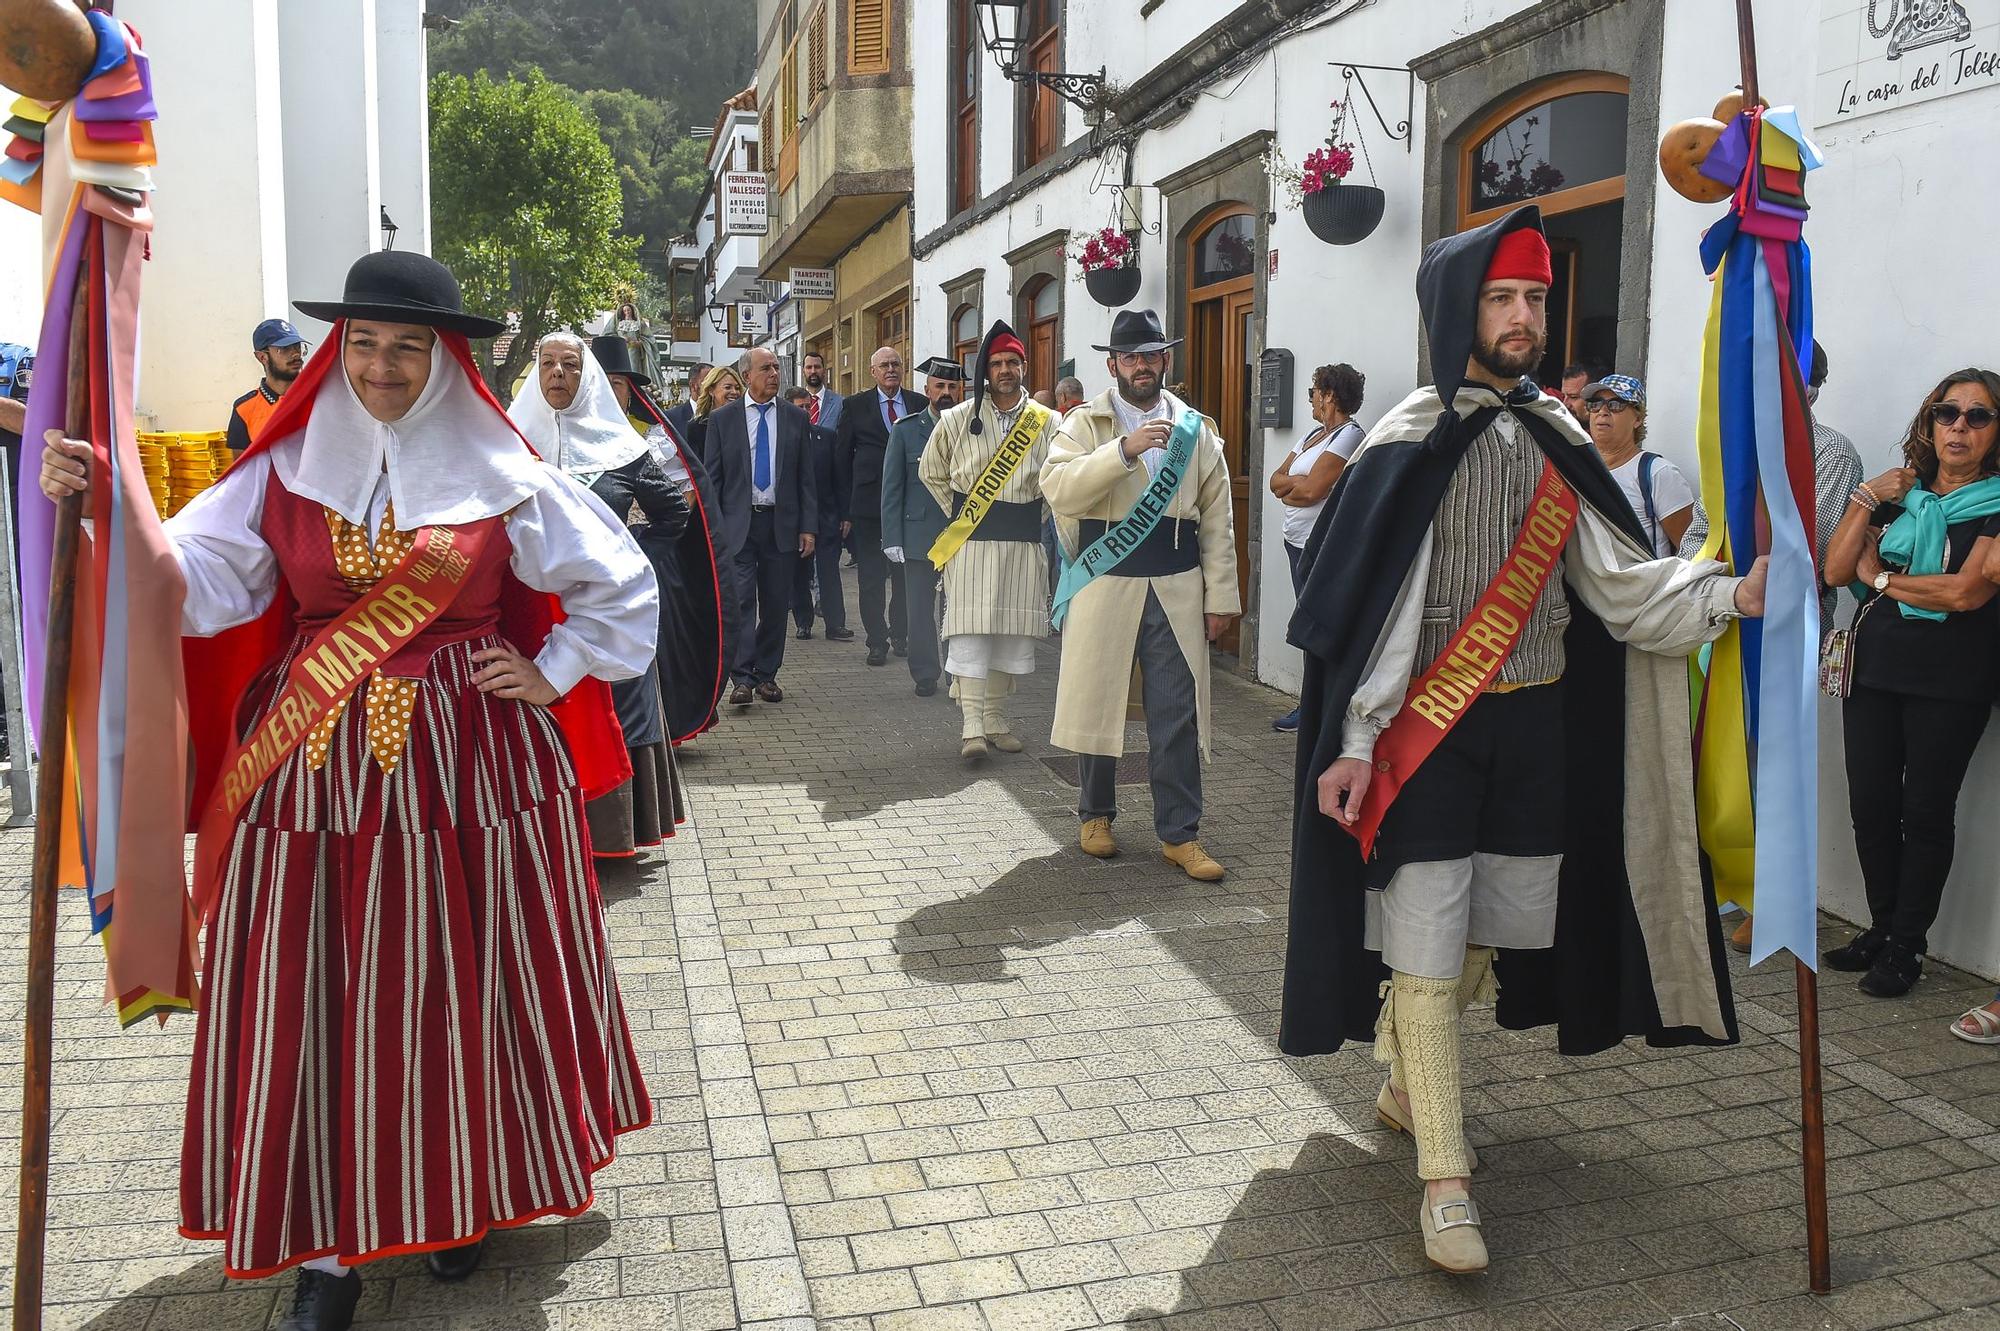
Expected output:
{"points": [[1476, 525]]}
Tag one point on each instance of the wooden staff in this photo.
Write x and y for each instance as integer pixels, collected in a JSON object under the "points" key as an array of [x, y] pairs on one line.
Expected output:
{"points": [[43, 886], [1812, 1110]]}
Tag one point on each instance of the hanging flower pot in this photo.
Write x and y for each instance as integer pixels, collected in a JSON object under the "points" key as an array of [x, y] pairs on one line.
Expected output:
{"points": [[1113, 287], [1342, 214]]}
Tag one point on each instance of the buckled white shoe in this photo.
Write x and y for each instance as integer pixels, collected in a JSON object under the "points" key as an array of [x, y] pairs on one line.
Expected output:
{"points": [[1452, 1239]]}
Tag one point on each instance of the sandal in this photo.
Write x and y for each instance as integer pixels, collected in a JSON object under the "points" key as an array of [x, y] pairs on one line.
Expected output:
{"points": [[1986, 1019]]}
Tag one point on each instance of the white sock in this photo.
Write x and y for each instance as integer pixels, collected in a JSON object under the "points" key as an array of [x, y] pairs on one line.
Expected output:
{"points": [[330, 1265]]}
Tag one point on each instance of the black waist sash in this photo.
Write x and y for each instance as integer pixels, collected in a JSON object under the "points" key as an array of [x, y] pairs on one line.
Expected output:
{"points": [[1004, 521], [1173, 546]]}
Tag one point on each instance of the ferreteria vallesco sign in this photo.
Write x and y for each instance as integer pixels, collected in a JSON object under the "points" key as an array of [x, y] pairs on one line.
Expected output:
{"points": [[746, 203], [1877, 55]]}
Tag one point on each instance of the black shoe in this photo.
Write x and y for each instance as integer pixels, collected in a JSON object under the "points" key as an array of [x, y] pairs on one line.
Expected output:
{"points": [[322, 1302], [840, 635], [1895, 972], [805, 635], [901, 649], [1860, 954], [456, 1263], [740, 696], [878, 656], [926, 687]]}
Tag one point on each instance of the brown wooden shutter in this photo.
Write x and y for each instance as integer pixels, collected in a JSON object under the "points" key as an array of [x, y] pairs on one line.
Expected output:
{"points": [[816, 54], [868, 36]]}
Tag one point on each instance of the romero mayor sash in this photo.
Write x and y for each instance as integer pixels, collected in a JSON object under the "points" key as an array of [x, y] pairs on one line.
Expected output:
{"points": [[1007, 459], [365, 636], [1129, 532], [1440, 697]]}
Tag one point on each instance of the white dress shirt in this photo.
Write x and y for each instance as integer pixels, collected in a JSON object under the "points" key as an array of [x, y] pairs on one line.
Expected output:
{"points": [[768, 496], [1131, 418]]}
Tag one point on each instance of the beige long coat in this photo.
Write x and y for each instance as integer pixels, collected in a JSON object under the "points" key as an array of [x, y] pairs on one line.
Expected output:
{"points": [[1087, 476], [989, 586]]}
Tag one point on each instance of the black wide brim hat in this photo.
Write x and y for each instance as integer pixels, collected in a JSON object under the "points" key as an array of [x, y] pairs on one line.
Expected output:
{"points": [[1136, 332], [614, 355], [401, 286]]}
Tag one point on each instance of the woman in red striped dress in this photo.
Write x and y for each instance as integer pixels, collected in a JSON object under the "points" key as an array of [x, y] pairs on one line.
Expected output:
{"points": [[410, 1031]]}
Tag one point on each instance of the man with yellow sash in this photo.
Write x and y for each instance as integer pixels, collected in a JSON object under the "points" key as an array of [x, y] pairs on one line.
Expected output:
{"points": [[981, 465], [1140, 488], [1494, 735]]}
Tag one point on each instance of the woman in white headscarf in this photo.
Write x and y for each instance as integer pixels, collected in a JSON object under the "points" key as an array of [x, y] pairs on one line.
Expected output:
{"points": [[568, 410]]}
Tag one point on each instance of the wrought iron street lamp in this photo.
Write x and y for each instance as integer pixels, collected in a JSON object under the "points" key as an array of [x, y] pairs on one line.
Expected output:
{"points": [[389, 229], [1000, 24]]}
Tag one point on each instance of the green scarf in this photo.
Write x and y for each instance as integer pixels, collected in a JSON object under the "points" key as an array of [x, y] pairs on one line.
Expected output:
{"points": [[1914, 542]]}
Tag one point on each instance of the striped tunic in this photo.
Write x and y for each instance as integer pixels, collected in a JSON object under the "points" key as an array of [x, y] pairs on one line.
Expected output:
{"points": [[994, 587]]}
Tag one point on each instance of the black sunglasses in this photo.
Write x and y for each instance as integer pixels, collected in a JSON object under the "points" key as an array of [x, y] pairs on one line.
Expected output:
{"points": [[1976, 418]]}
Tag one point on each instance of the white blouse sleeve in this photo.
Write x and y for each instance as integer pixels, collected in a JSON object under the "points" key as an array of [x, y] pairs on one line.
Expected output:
{"points": [[1668, 606], [218, 540], [567, 543], [1379, 695]]}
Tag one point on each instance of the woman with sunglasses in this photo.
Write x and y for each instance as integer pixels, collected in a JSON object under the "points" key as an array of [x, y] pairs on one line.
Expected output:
{"points": [[1925, 656]]}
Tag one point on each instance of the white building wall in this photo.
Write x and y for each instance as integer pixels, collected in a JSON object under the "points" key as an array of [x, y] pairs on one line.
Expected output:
{"points": [[333, 196], [218, 244], [403, 116]]}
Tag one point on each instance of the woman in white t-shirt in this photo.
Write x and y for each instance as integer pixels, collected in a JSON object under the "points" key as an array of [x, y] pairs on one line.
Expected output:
{"points": [[1660, 496], [1305, 478]]}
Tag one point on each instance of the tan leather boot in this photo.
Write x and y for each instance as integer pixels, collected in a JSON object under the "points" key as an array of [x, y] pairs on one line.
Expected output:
{"points": [[1094, 837]]}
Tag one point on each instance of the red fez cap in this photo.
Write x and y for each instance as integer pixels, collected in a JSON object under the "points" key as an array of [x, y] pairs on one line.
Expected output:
{"points": [[1521, 256], [1007, 342]]}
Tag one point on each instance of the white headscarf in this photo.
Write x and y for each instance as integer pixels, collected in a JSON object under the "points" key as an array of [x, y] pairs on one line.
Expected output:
{"points": [[588, 437], [451, 458]]}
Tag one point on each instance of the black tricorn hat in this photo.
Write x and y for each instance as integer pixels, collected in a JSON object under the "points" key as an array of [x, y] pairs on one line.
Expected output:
{"points": [[402, 286], [1137, 331], [614, 354], [942, 367]]}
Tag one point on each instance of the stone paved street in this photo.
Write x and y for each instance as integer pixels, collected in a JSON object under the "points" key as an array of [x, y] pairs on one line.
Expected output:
{"points": [[920, 1066]]}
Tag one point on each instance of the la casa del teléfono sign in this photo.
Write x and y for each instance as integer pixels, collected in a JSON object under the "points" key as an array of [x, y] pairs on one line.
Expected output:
{"points": [[1877, 55]]}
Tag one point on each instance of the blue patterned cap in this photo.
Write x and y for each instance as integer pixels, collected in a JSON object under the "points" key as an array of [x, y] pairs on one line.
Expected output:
{"points": [[1621, 386]]}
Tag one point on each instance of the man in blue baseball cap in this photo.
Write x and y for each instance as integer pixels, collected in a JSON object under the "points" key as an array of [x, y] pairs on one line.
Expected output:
{"points": [[282, 352]]}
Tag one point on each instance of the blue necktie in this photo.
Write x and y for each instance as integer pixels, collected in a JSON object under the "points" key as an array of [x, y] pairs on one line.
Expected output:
{"points": [[760, 459]]}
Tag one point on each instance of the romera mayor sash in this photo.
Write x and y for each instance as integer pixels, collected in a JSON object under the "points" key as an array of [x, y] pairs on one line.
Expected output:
{"points": [[341, 656], [1440, 697], [1007, 459], [1123, 537]]}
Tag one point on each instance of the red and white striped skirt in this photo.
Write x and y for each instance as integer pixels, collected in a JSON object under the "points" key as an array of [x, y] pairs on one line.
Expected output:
{"points": [[411, 1030]]}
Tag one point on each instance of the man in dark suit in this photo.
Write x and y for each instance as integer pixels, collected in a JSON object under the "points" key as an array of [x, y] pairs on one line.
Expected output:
{"points": [[826, 405], [865, 422], [911, 518], [825, 561], [758, 454]]}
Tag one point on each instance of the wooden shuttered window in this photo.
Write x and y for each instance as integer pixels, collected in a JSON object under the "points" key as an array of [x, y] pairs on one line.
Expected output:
{"points": [[816, 79], [868, 36]]}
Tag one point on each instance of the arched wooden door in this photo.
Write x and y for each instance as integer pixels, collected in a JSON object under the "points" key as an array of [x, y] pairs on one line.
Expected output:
{"points": [[1041, 309], [1219, 379], [1560, 144]]}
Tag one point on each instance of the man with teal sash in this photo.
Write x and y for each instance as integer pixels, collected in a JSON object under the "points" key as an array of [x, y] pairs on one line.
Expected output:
{"points": [[1139, 486]]}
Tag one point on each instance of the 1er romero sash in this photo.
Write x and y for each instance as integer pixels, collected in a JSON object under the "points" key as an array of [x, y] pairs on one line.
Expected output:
{"points": [[1440, 697], [329, 669], [1020, 441], [1123, 537]]}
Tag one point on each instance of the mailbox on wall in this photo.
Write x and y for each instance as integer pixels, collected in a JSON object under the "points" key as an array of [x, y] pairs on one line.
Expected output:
{"points": [[1274, 389]]}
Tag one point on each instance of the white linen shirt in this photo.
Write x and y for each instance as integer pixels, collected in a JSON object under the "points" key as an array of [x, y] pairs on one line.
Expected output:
{"points": [[765, 497]]}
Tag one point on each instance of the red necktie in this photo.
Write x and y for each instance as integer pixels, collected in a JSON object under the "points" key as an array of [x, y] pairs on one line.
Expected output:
{"points": [[812, 408], [891, 404]]}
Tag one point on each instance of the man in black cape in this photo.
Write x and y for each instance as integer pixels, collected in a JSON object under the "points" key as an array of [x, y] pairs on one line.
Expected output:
{"points": [[1491, 647], [693, 586]]}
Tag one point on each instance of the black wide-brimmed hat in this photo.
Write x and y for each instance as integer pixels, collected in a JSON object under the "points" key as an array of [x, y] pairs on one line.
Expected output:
{"points": [[401, 286], [1135, 332], [614, 353]]}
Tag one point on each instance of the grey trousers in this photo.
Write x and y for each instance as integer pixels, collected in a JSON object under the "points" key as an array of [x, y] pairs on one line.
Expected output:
{"points": [[1173, 739]]}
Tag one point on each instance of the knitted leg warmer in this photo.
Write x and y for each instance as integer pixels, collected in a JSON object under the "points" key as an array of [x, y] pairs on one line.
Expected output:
{"points": [[999, 687], [972, 701], [1418, 1033], [1476, 984]]}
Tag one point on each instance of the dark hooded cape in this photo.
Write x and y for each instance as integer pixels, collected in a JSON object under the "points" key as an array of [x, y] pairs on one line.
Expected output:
{"points": [[694, 597], [1595, 986]]}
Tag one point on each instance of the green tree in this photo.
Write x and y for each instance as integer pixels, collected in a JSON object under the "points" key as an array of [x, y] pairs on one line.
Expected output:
{"points": [[525, 206]]}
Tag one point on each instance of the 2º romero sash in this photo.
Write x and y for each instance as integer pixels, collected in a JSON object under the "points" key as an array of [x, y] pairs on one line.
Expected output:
{"points": [[1020, 441], [328, 670], [1123, 537], [1440, 697]]}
